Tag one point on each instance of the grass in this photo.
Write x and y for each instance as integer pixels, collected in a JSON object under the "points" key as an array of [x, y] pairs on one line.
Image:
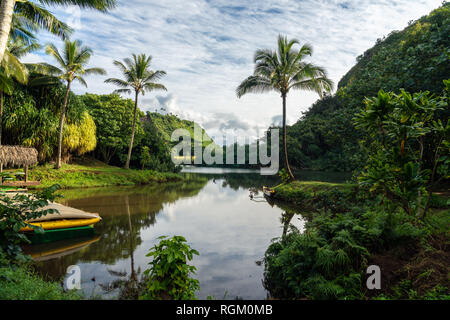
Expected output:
{"points": [[97, 174], [20, 283], [298, 191]]}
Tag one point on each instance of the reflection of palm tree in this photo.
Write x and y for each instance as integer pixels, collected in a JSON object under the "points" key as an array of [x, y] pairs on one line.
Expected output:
{"points": [[133, 273], [286, 218]]}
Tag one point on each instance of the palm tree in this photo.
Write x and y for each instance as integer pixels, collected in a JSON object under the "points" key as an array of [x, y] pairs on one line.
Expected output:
{"points": [[141, 79], [12, 69], [284, 70], [27, 14], [72, 66]]}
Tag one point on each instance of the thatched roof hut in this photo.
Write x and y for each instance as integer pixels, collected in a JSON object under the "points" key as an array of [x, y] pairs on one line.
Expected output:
{"points": [[18, 156]]}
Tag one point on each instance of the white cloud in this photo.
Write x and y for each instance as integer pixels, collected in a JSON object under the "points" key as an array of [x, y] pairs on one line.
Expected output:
{"points": [[206, 47]]}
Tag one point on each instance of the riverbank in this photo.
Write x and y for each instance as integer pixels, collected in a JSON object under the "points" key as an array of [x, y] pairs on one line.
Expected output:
{"points": [[350, 229], [313, 195], [97, 174], [21, 283]]}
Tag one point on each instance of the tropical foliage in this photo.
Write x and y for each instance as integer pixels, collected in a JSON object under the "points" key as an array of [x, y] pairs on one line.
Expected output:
{"points": [[71, 67], [169, 272], [414, 59], [14, 213], [408, 146]]}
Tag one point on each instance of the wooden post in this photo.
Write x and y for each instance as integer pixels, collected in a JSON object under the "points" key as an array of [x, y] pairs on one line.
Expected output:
{"points": [[26, 174]]}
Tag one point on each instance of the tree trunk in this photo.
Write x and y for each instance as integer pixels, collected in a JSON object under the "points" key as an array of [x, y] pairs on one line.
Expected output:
{"points": [[1, 117], [127, 164], [6, 13], [288, 168], [61, 126]]}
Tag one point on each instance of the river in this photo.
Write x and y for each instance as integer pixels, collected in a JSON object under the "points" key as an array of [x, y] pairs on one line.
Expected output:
{"points": [[213, 211]]}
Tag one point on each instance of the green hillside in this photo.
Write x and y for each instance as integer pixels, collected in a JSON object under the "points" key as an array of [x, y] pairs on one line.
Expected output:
{"points": [[167, 124], [415, 59]]}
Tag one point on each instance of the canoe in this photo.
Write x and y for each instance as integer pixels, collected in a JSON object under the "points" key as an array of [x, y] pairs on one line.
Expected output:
{"points": [[64, 212], [62, 224], [268, 192], [55, 235]]}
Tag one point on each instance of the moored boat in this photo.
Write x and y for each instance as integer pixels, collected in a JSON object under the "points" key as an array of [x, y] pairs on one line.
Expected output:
{"points": [[67, 223], [268, 191]]}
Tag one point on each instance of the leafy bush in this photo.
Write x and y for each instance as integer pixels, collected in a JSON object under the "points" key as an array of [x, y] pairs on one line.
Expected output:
{"points": [[14, 212], [169, 275], [329, 260]]}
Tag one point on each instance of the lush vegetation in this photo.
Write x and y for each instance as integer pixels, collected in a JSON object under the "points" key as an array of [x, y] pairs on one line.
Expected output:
{"points": [[329, 260], [17, 279], [15, 211], [97, 174], [169, 275], [388, 216], [21, 283], [414, 59]]}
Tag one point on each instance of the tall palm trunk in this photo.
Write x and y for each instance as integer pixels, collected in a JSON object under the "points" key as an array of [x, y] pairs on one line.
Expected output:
{"points": [[127, 164], [1, 117], [6, 13], [288, 168], [61, 126]]}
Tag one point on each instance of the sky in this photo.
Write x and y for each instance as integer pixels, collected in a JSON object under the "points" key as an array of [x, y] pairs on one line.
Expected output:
{"points": [[207, 47]]}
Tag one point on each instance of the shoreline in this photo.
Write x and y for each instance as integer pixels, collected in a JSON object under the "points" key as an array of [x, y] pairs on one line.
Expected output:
{"points": [[73, 176]]}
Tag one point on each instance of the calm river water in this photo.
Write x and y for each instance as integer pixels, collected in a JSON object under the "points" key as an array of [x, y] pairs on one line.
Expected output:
{"points": [[214, 213]]}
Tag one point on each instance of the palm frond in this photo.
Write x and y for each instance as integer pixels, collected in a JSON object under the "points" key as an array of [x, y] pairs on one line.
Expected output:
{"points": [[127, 91], [42, 18], [12, 67], [81, 80], [101, 5], [97, 71], [154, 86], [6, 84], [43, 81], [53, 51], [254, 84], [118, 82]]}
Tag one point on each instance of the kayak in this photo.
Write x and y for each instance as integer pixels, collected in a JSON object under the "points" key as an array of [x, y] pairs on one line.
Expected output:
{"points": [[62, 224]]}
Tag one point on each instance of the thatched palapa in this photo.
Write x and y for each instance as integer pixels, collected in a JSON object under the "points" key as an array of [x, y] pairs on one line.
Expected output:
{"points": [[18, 156]]}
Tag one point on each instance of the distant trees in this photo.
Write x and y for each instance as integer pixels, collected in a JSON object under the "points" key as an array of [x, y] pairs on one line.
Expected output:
{"points": [[112, 115]]}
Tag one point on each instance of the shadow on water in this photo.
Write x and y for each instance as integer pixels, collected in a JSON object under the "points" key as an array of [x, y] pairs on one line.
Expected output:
{"points": [[212, 211]]}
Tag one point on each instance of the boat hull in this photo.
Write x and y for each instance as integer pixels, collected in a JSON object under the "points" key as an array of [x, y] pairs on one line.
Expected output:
{"points": [[62, 224], [60, 234]]}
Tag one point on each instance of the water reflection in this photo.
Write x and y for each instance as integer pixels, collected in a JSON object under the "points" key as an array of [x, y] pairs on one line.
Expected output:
{"points": [[214, 213]]}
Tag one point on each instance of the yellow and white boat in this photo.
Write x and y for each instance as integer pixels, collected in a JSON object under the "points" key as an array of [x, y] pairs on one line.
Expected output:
{"points": [[67, 223], [62, 224]]}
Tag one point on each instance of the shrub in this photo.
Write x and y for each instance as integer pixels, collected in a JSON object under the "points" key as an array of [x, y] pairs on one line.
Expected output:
{"points": [[329, 260], [15, 212], [169, 275]]}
